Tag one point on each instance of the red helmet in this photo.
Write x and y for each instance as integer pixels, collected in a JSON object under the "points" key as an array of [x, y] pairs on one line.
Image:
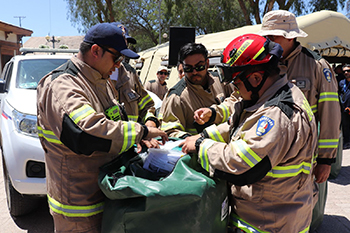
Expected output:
{"points": [[245, 52]]}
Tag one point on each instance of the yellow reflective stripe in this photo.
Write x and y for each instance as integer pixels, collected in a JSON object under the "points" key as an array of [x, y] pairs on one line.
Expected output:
{"points": [[133, 118], [243, 225], [202, 153], [244, 151], [305, 230], [160, 116], [129, 132], [171, 125], [144, 101], [192, 131], [314, 108], [75, 211], [307, 108], [225, 112], [289, 171], [81, 113], [328, 96], [328, 143], [48, 135], [239, 52], [214, 133]]}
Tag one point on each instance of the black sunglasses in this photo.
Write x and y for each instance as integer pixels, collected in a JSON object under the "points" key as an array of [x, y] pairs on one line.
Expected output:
{"points": [[161, 73], [346, 71], [189, 69], [119, 56]]}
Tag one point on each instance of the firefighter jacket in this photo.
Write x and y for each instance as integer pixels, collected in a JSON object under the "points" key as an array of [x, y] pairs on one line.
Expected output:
{"points": [[78, 138], [316, 79], [138, 104], [159, 89], [265, 154], [314, 76], [177, 111]]}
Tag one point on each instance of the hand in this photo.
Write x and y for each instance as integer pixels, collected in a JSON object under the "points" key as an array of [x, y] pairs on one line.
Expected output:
{"points": [[202, 115], [151, 143], [155, 132], [188, 146], [321, 172]]}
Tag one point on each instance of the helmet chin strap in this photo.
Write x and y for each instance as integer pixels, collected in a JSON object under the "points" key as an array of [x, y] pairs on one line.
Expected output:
{"points": [[255, 90]]}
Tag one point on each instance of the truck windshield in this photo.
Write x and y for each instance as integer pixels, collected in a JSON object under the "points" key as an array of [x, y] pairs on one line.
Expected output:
{"points": [[30, 72]]}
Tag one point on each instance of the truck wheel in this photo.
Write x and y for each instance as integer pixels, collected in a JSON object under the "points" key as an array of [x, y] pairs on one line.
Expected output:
{"points": [[18, 204]]}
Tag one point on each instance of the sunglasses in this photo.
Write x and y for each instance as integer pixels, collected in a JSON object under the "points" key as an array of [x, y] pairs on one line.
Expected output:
{"points": [[119, 56], [161, 73], [346, 71], [189, 69]]}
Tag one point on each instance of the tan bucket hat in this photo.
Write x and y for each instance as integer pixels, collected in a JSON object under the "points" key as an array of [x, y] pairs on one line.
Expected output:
{"points": [[281, 23]]}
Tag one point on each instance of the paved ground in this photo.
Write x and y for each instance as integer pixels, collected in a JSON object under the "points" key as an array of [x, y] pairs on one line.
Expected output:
{"points": [[336, 219]]}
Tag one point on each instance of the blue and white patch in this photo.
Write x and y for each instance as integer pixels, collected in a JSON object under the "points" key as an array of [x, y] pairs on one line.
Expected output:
{"points": [[265, 124], [327, 74]]}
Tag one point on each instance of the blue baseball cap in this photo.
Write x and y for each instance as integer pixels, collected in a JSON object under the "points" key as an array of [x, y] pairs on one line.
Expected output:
{"points": [[106, 34], [126, 32]]}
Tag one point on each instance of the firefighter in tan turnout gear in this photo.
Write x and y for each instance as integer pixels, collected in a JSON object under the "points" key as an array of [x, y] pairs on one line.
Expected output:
{"points": [[263, 151], [81, 127], [197, 90]]}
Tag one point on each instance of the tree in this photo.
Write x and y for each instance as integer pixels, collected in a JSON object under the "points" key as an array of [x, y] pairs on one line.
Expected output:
{"points": [[298, 7]]}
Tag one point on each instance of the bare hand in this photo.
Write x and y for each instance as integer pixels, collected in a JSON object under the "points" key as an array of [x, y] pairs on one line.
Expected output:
{"points": [[155, 132], [202, 115], [189, 145], [321, 172], [149, 143]]}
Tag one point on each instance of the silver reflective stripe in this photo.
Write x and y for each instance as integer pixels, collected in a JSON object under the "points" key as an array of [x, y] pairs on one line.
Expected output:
{"points": [[75, 211], [81, 113]]}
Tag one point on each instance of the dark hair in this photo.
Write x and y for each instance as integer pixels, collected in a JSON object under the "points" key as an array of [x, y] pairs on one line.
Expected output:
{"points": [[85, 47], [190, 49], [346, 65]]}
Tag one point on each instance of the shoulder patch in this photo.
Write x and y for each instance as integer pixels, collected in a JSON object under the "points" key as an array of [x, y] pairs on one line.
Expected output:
{"points": [[178, 88], [327, 74], [310, 53], [265, 124]]}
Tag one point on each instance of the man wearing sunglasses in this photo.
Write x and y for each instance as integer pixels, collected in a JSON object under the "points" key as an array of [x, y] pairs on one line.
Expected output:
{"points": [[159, 86], [197, 89], [138, 104], [81, 127]]}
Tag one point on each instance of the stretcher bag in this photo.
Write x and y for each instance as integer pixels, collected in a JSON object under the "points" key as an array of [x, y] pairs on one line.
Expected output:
{"points": [[186, 200]]}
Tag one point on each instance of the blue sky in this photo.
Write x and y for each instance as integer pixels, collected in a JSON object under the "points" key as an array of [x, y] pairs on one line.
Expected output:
{"points": [[43, 17]]}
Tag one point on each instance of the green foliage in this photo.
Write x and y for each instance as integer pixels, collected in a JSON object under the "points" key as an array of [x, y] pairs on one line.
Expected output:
{"points": [[42, 46], [144, 21]]}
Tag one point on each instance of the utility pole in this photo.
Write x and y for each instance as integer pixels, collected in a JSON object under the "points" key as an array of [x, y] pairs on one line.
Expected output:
{"points": [[20, 21]]}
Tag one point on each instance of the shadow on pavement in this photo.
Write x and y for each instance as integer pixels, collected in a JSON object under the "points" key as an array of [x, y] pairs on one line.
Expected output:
{"points": [[343, 177], [40, 221], [333, 223]]}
